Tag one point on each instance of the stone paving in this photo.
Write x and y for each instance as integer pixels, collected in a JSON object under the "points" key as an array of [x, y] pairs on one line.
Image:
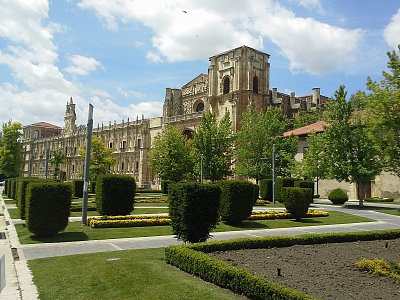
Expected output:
{"points": [[19, 279]]}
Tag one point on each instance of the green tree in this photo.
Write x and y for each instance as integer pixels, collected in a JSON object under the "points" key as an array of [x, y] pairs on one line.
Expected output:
{"points": [[11, 150], [383, 112], [56, 160], [213, 141], [171, 155], [351, 154], [100, 158], [254, 142]]}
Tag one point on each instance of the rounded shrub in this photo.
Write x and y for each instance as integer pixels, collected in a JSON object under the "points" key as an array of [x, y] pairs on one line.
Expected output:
{"points": [[297, 200], [236, 201], [115, 194], [47, 207], [338, 196], [193, 209]]}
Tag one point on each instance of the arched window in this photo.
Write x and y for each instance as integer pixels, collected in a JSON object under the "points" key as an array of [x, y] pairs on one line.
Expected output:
{"points": [[226, 85], [255, 84], [200, 107]]}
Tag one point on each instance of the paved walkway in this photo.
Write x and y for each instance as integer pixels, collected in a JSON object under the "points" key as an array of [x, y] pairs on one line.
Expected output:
{"points": [[19, 279]]}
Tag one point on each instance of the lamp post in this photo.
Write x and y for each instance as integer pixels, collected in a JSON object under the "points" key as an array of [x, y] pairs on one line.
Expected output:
{"points": [[87, 164]]}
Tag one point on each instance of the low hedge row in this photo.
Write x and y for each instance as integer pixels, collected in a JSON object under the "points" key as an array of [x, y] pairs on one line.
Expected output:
{"points": [[129, 223], [192, 258], [136, 221]]}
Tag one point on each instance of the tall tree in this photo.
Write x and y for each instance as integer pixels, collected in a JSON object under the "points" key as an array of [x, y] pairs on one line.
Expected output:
{"points": [[172, 154], [56, 160], [254, 141], [383, 111], [352, 155], [11, 149], [213, 141], [100, 158]]}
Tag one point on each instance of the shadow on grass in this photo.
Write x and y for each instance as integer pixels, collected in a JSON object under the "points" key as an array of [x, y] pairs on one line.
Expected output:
{"points": [[250, 225], [306, 221], [62, 237], [369, 207]]}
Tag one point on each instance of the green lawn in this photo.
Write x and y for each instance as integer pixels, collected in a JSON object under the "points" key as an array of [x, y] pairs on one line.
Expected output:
{"points": [[14, 214], [76, 232], [136, 211], [133, 274]]}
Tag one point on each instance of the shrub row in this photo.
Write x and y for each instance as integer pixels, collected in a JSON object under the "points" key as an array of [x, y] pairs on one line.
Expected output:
{"points": [[194, 260], [77, 188], [266, 187], [21, 186]]}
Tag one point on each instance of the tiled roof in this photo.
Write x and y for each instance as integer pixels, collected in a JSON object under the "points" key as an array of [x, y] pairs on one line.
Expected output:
{"points": [[200, 78], [314, 127], [45, 125]]}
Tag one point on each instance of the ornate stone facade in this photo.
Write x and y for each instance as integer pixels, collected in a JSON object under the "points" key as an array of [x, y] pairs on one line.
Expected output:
{"points": [[237, 79]]}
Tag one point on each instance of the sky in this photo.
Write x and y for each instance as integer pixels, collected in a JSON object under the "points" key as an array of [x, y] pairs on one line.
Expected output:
{"points": [[121, 55]]}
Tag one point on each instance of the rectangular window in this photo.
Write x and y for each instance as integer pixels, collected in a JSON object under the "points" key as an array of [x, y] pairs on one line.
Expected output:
{"points": [[139, 143]]}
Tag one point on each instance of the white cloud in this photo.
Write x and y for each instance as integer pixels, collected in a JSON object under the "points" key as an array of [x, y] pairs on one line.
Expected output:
{"points": [[310, 4], [153, 57], [193, 30], [392, 31], [39, 91], [82, 65]]}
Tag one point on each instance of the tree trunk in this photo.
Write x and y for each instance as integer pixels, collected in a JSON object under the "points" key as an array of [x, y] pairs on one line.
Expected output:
{"points": [[361, 192]]}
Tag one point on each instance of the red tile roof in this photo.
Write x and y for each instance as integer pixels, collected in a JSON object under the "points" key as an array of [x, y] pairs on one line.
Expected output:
{"points": [[45, 125], [315, 127]]}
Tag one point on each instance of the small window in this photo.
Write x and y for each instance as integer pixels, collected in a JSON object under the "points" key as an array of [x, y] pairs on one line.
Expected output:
{"points": [[139, 143], [111, 144], [255, 84], [200, 107], [226, 85], [137, 165], [122, 166]]}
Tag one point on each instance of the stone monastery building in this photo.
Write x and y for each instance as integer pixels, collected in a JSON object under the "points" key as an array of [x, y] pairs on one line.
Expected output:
{"points": [[236, 79]]}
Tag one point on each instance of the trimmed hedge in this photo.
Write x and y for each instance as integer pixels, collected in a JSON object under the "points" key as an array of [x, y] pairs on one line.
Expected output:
{"points": [[338, 196], [236, 201], [115, 194], [47, 207], [281, 183], [297, 200], [266, 189], [164, 186], [77, 188], [305, 184], [193, 208], [194, 260], [22, 184], [13, 188]]}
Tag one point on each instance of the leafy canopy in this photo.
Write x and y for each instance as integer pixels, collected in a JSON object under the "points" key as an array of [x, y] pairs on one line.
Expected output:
{"points": [[214, 141], [172, 154], [254, 141], [100, 158], [11, 149]]}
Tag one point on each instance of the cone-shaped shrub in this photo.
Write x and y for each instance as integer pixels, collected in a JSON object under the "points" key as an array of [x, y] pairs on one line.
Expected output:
{"points": [[237, 200], [115, 194], [281, 183], [308, 184], [297, 200], [193, 209], [22, 184], [47, 207]]}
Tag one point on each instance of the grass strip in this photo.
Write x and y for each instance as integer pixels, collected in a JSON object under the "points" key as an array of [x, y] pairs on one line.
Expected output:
{"points": [[132, 274]]}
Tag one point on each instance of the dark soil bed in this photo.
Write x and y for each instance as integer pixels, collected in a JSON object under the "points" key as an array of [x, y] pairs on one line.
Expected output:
{"points": [[324, 271]]}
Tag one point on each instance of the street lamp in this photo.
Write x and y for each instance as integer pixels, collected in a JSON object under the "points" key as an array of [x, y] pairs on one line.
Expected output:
{"points": [[273, 174]]}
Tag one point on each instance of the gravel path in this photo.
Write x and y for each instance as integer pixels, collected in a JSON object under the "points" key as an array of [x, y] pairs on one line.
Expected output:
{"points": [[324, 271]]}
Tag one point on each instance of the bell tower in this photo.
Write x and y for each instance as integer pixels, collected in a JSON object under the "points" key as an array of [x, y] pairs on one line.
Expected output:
{"points": [[70, 117]]}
